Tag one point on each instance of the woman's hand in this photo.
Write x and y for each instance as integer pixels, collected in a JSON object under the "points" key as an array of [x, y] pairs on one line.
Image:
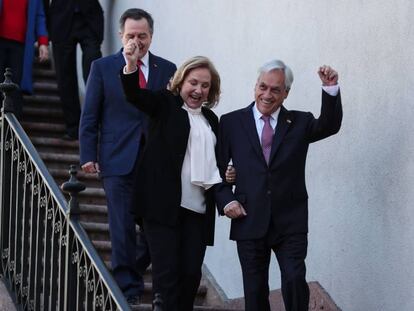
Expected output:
{"points": [[230, 174]]}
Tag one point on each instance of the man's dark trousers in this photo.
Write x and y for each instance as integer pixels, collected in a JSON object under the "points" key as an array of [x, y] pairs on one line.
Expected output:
{"points": [[254, 258], [11, 56], [119, 193], [65, 60]]}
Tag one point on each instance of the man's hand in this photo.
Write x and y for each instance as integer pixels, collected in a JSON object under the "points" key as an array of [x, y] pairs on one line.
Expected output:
{"points": [[131, 50], [91, 167], [328, 75], [230, 174], [234, 210], [43, 53]]}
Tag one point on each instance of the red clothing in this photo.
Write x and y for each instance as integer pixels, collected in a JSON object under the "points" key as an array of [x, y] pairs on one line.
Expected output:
{"points": [[13, 21]]}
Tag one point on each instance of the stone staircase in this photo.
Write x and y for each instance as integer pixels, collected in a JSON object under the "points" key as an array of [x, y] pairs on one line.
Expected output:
{"points": [[43, 122]]}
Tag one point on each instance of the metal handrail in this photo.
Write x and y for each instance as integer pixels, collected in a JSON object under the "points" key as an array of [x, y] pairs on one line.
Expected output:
{"points": [[47, 260]]}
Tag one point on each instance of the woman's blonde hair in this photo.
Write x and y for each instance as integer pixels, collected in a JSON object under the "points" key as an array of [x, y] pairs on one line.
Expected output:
{"points": [[194, 63]]}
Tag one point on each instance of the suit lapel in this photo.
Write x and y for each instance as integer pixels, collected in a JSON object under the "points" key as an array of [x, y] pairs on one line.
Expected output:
{"points": [[282, 126], [119, 60], [152, 71], [249, 125]]}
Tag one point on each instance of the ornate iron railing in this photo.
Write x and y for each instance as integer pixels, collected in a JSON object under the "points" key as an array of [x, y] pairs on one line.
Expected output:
{"points": [[47, 260]]}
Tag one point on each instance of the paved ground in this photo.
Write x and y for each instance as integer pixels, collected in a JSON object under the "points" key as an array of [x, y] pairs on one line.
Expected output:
{"points": [[6, 303]]}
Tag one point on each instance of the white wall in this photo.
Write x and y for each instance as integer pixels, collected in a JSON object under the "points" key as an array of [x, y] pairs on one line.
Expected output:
{"points": [[360, 181]]}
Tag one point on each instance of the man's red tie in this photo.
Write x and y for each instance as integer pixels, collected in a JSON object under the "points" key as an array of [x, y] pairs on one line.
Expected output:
{"points": [[142, 81]]}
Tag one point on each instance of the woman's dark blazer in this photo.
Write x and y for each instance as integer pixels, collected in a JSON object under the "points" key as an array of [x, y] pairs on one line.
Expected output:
{"points": [[158, 184]]}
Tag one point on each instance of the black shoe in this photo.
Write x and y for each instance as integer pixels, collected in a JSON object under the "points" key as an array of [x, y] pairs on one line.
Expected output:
{"points": [[133, 300], [69, 137]]}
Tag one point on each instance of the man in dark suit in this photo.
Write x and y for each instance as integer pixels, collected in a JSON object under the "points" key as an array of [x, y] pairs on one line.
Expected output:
{"points": [[72, 22], [112, 134], [269, 206]]}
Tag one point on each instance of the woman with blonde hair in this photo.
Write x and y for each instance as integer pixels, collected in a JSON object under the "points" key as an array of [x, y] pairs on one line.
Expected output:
{"points": [[177, 174]]}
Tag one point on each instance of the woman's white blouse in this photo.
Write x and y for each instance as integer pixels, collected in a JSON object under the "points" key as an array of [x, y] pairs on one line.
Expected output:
{"points": [[199, 171]]}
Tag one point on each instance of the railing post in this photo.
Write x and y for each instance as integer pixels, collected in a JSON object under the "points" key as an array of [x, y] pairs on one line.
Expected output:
{"points": [[73, 186], [7, 87], [157, 303], [7, 106]]}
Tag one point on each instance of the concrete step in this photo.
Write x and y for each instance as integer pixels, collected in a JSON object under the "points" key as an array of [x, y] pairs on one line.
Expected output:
{"points": [[59, 157], [41, 72], [94, 208], [59, 148], [147, 297], [45, 64], [40, 111], [43, 100], [92, 196], [98, 230], [54, 145], [94, 213], [148, 307], [96, 227], [147, 274], [93, 192], [40, 114], [104, 249], [45, 128], [48, 87]]}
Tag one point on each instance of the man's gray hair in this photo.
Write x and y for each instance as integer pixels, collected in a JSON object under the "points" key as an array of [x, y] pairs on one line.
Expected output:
{"points": [[277, 64]]}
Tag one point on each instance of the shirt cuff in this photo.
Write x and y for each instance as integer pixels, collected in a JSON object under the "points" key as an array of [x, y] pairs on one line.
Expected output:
{"points": [[332, 90], [43, 40], [128, 73]]}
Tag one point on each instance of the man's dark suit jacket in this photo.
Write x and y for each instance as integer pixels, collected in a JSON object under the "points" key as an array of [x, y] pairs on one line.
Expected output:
{"points": [[158, 190], [276, 192], [61, 14], [111, 128]]}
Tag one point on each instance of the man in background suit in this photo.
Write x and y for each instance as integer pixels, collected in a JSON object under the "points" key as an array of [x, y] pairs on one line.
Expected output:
{"points": [[72, 22], [112, 134], [22, 23], [46, 4], [269, 207]]}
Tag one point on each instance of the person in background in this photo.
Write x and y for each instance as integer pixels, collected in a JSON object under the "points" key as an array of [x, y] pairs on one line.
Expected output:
{"points": [[46, 4], [111, 138], [267, 145], [22, 23], [177, 172], [73, 22]]}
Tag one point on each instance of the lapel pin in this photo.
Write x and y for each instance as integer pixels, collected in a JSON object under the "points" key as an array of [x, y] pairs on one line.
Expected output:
{"points": [[155, 65], [289, 121]]}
